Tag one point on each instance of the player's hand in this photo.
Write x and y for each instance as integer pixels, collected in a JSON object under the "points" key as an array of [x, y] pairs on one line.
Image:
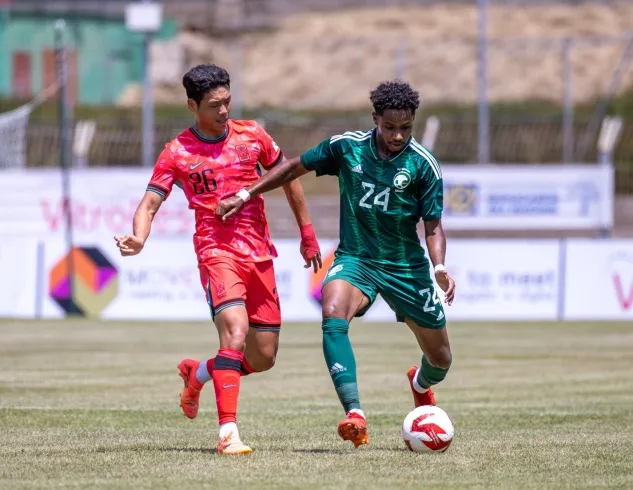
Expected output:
{"points": [[309, 248], [129, 244], [228, 207], [312, 259], [445, 281]]}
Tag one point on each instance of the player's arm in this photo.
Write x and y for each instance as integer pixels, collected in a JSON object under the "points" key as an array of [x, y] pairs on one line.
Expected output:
{"points": [[430, 206], [278, 176], [321, 158], [157, 191], [436, 245], [309, 248], [142, 224], [271, 158]]}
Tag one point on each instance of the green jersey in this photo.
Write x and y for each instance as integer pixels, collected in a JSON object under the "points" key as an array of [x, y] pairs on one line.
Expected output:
{"points": [[382, 201]]}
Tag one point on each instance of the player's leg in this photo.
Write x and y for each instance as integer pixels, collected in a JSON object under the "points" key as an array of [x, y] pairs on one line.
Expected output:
{"points": [[195, 373], [232, 325], [262, 340], [224, 285], [347, 292], [264, 318], [436, 361], [412, 295]]}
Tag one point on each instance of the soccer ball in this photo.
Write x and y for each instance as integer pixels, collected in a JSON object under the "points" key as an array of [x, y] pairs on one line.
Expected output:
{"points": [[428, 429]]}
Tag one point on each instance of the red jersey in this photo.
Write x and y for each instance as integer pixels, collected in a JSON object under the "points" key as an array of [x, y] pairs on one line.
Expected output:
{"points": [[211, 170]]}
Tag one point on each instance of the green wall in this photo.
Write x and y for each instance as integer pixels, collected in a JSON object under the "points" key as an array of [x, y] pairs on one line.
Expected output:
{"points": [[108, 56]]}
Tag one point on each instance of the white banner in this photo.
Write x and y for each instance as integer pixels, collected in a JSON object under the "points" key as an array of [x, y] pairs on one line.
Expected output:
{"points": [[519, 197], [19, 269], [475, 198], [161, 283], [599, 280], [103, 204], [498, 280]]}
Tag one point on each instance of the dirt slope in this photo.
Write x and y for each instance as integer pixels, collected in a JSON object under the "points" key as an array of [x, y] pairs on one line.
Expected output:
{"points": [[333, 59]]}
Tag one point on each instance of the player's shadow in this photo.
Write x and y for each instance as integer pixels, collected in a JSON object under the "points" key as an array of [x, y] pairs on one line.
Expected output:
{"points": [[201, 450], [344, 450], [318, 451]]}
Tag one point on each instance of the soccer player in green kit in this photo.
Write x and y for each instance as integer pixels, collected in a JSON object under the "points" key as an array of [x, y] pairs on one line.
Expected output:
{"points": [[387, 183]]}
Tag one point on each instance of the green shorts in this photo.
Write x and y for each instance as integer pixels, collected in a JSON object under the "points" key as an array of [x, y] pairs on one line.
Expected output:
{"points": [[409, 292]]}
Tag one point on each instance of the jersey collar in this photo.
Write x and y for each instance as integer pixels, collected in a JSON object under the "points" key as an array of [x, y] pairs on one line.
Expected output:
{"points": [[204, 139], [374, 149]]}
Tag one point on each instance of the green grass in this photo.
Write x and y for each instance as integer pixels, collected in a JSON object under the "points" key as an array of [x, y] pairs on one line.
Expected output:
{"points": [[88, 404]]}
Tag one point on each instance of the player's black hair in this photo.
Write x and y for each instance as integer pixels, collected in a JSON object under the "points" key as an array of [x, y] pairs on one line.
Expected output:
{"points": [[203, 78], [394, 95]]}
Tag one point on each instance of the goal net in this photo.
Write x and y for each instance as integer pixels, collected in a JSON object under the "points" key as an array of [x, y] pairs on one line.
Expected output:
{"points": [[13, 129]]}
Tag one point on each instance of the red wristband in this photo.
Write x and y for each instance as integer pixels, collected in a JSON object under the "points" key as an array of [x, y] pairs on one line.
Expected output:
{"points": [[309, 241]]}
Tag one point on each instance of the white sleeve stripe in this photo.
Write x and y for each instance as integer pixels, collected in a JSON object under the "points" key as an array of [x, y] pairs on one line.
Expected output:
{"points": [[426, 152], [349, 136], [359, 134], [420, 150], [431, 164]]}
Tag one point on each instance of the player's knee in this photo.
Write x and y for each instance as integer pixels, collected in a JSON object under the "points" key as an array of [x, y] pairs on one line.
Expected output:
{"points": [[268, 362], [264, 362], [441, 358], [335, 309], [233, 329], [331, 309]]}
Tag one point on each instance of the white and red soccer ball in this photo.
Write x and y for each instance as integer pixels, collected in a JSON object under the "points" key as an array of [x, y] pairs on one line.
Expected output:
{"points": [[428, 429]]}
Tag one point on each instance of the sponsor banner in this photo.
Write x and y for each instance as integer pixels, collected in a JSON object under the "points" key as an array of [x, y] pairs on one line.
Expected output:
{"points": [[498, 280], [491, 197], [599, 280], [18, 277], [161, 283], [519, 197], [103, 204]]}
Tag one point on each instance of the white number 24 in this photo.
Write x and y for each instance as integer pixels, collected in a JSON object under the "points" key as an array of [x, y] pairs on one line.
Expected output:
{"points": [[381, 199], [430, 293]]}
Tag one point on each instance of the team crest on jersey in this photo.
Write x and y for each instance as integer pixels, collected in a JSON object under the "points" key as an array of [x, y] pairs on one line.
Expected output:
{"points": [[242, 153], [402, 179], [220, 290]]}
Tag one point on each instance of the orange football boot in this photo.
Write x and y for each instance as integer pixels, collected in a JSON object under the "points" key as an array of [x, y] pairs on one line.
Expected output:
{"points": [[354, 428], [419, 399], [232, 445], [190, 395]]}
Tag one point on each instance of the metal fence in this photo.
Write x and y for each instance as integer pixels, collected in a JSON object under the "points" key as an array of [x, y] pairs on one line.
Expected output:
{"points": [[529, 140]]}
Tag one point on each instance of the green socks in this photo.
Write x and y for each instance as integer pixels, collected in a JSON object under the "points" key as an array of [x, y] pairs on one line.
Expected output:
{"points": [[340, 361], [429, 375]]}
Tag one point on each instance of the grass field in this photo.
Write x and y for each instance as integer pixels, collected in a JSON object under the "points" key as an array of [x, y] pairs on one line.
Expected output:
{"points": [[88, 404]]}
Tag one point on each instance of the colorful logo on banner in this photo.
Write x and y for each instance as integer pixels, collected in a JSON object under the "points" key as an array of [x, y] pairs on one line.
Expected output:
{"points": [[461, 199], [94, 281], [317, 279]]}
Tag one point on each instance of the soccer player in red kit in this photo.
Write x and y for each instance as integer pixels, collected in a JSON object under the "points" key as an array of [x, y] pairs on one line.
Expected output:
{"points": [[214, 159]]}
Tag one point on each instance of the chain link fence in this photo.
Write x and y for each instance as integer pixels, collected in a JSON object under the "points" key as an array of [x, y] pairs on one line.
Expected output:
{"points": [[513, 140]]}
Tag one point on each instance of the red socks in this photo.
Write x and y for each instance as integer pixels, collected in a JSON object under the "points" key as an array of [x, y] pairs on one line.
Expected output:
{"points": [[226, 381], [245, 368]]}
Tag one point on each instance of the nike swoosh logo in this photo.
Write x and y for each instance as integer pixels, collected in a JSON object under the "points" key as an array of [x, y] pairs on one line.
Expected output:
{"points": [[193, 167], [228, 386]]}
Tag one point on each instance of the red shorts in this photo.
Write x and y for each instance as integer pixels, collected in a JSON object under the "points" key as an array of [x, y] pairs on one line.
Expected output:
{"points": [[230, 282]]}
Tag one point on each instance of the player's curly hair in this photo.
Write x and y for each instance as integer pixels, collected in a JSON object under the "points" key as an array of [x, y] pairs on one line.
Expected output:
{"points": [[203, 78], [395, 94]]}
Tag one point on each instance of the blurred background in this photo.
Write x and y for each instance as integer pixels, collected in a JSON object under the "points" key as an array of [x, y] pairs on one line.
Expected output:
{"points": [[528, 104]]}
